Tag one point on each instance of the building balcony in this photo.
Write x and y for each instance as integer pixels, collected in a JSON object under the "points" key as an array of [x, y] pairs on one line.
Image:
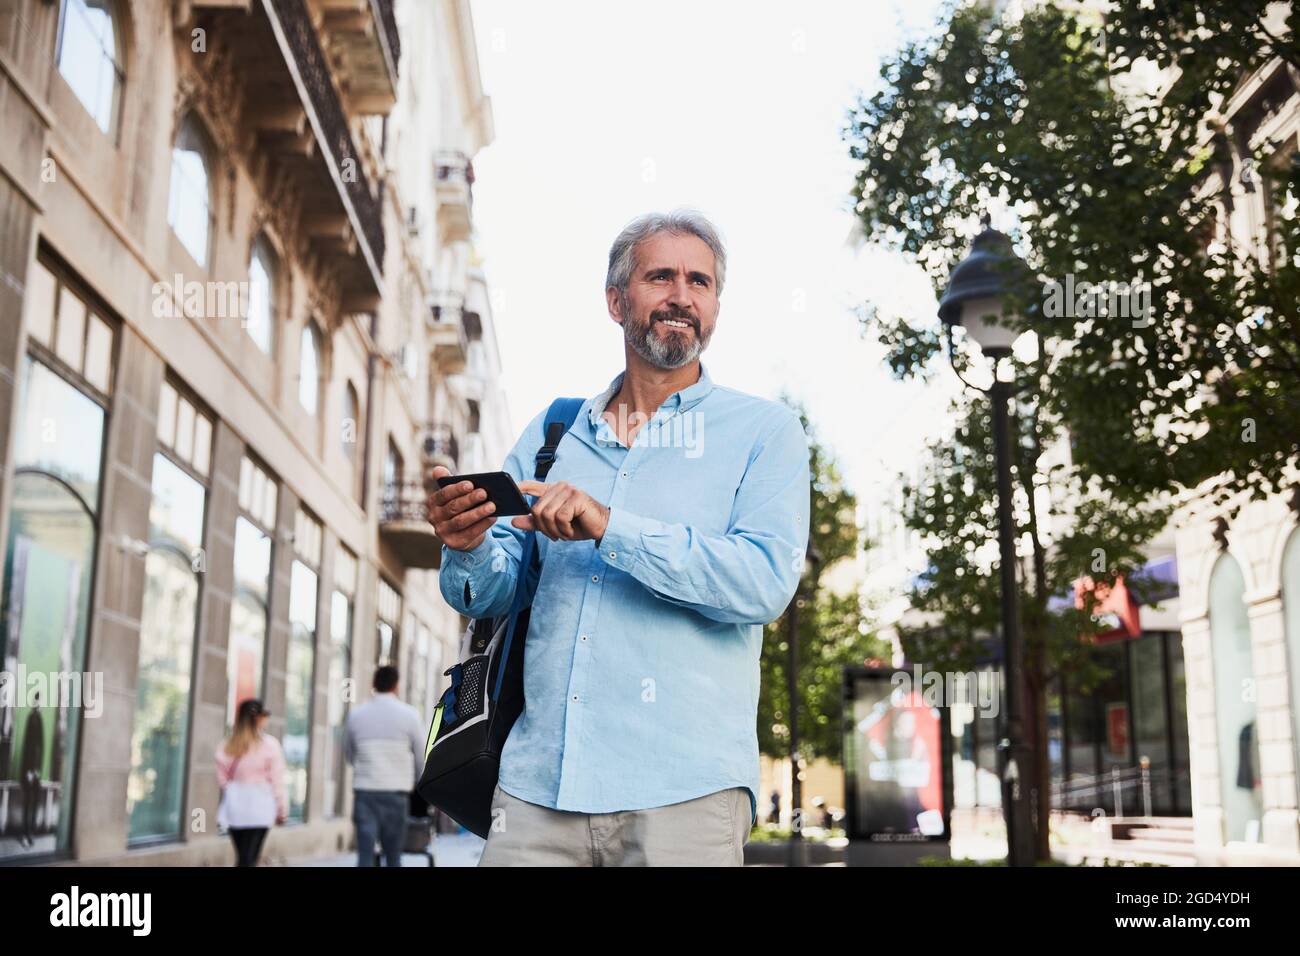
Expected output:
{"points": [[361, 36], [404, 525], [453, 185], [448, 343], [440, 447], [273, 77]]}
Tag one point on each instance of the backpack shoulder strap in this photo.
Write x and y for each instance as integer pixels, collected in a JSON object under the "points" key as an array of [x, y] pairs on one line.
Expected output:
{"points": [[559, 419]]}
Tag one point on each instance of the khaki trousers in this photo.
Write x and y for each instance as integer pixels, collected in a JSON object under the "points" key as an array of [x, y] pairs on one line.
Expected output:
{"points": [[708, 831]]}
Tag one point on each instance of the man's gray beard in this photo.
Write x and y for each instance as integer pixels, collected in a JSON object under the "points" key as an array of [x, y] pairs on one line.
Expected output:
{"points": [[665, 354]]}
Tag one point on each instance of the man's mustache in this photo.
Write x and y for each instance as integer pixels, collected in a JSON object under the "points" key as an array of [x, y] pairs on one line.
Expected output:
{"points": [[674, 312]]}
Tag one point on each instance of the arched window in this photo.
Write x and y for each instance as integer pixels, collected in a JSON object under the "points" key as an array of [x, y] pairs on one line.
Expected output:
{"points": [[1291, 611], [1234, 708], [90, 58], [309, 368], [189, 204], [260, 322], [350, 435]]}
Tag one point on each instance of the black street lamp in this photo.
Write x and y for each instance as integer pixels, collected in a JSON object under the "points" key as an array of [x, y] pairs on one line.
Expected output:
{"points": [[975, 299], [805, 591]]}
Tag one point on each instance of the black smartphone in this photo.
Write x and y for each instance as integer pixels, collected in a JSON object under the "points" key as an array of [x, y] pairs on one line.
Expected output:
{"points": [[501, 488]]}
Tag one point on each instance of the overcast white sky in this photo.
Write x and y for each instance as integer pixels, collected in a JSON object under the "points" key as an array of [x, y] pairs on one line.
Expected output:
{"points": [[607, 110]]}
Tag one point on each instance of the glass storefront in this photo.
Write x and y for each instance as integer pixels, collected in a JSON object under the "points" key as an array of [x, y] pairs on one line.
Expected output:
{"points": [[45, 612], [298, 685], [1151, 732], [248, 613], [1097, 739], [341, 691], [337, 695], [160, 731], [250, 609]]}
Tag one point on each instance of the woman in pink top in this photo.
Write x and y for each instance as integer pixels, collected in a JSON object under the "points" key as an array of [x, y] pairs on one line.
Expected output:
{"points": [[250, 772]]}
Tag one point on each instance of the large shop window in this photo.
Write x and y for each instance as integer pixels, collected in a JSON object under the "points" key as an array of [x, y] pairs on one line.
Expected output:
{"points": [[90, 58], [246, 654], [1234, 672], [50, 563], [169, 618], [300, 667], [342, 684], [160, 731]]}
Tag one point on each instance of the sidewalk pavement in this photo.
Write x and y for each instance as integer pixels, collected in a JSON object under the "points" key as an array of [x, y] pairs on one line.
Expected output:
{"points": [[449, 849]]}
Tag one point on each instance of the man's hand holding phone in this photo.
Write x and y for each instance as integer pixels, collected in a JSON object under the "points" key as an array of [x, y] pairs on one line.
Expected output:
{"points": [[460, 513]]}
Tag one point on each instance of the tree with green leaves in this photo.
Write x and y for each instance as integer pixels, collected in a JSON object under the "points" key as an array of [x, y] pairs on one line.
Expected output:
{"points": [[1105, 180], [1113, 179], [832, 628]]}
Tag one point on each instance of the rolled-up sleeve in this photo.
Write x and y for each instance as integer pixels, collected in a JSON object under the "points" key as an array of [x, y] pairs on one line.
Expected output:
{"points": [[481, 582], [747, 575]]}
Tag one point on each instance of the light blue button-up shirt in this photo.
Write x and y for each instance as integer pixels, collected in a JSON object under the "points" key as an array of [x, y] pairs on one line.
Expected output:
{"points": [[641, 667]]}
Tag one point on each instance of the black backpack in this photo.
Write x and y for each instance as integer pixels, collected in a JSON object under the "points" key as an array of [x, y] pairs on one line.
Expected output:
{"points": [[474, 715]]}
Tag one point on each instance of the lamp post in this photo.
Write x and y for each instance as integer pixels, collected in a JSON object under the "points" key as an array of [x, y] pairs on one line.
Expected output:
{"points": [[806, 589], [974, 300]]}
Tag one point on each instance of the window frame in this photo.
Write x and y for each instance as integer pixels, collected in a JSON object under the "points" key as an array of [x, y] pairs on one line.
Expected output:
{"points": [[118, 61], [255, 520], [169, 545]]}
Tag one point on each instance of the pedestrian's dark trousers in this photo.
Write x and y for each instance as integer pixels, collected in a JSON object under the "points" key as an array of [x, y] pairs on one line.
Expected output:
{"points": [[31, 800], [248, 844], [380, 815]]}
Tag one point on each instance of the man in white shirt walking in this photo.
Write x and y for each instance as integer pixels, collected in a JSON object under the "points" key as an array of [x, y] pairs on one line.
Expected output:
{"points": [[385, 745]]}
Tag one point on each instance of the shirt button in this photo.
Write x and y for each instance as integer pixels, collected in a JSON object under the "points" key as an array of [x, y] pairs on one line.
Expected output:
{"points": [[595, 577], [625, 474], [584, 637], [575, 698], [613, 554]]}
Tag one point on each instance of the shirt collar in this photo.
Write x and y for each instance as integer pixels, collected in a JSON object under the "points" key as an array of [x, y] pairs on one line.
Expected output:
{"points": [[679, 400]]}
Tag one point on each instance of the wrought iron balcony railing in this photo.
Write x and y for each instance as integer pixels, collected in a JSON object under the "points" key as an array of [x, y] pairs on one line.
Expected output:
{"points": [[439, 445], [404, 525], [313, 73], [404, 501], [453, 165], [384, 13]]}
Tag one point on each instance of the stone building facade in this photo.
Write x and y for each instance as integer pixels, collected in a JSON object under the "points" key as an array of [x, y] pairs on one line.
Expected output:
{"points": [[241, 316], [1239, 561]]}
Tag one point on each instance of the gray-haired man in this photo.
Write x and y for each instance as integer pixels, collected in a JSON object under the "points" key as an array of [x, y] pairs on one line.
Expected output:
{"points": [[671, 529]]}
